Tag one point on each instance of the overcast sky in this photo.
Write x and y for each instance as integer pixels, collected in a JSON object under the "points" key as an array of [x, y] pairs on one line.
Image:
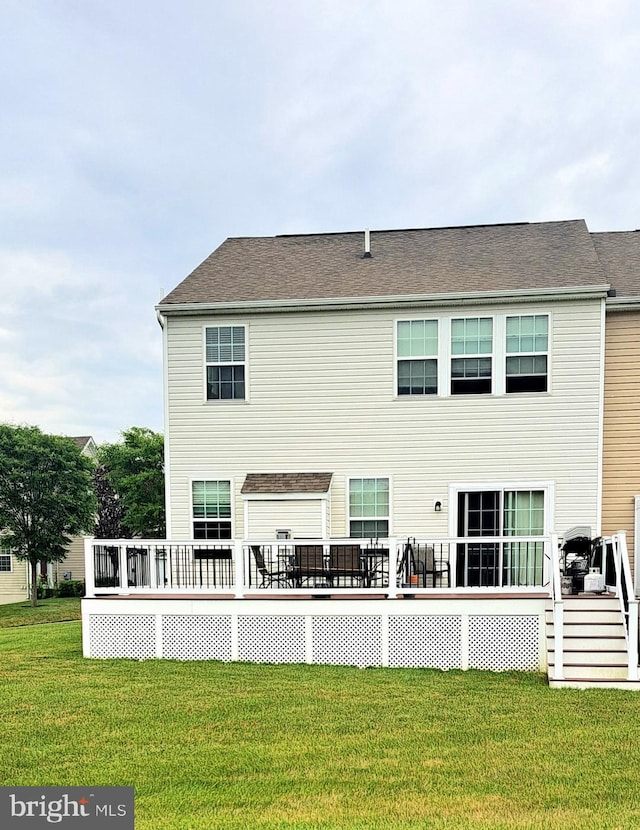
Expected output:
{"points": [[138, 134]]}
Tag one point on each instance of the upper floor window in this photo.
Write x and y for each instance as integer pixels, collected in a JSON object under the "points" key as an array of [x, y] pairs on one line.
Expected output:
{"points": [[418, 357], [225, 362], [527, 343], [369, 507], [211, 502], [471, 355]]}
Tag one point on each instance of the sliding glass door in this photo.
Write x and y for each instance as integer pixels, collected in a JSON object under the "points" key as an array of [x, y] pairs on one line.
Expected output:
{"points": [[500, 513]]}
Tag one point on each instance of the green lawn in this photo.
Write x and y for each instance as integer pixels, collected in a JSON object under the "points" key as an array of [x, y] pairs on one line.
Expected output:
{"points": [[46, 611], [210, 745]]}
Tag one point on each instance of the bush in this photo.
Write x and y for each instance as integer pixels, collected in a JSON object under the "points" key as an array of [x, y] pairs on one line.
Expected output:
{"points": [[70, 588]]}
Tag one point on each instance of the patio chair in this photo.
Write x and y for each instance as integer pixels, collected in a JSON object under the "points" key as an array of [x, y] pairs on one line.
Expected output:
{"points": [[270, 573], [309, 567], [347, 567], [425, 563]]}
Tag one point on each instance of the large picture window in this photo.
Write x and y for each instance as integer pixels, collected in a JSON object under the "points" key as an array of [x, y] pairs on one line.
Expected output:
{"points": [[471, 355], [369, 507], [527, 343], [225, 362], [211, 502], [417, 349]]}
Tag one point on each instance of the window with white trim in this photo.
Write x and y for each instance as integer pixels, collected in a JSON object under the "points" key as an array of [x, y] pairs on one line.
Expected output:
{"points": [[417, 351], [225, 362], [471, 355], [5, 559], [369, 508], [527, 344], [211, 505]]}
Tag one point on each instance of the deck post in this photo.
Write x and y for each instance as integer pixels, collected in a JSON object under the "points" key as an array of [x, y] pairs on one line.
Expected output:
{"points": [[393, 568], [238, 564], [633, 640], [558, 609], [123, 567], [89, 573]]}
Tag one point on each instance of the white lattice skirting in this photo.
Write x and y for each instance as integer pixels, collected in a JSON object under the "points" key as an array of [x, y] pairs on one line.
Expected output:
{"points": [[483, 634]]}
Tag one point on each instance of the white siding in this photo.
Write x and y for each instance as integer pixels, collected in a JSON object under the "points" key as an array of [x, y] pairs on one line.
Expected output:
{"points": [[303, 517], [322, 398], [13, 583], [73, 562]]}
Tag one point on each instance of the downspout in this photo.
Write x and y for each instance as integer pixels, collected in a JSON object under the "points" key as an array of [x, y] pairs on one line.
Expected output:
{"points": [[601, 417], [162, 320], [636, 545]]}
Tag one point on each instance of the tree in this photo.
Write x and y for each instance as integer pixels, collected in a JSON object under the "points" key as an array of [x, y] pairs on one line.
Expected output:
{"points": [[135, 469], [110, 515], [46, 495]]}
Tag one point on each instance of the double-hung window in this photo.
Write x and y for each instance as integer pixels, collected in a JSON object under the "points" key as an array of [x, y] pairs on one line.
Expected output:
{"points": [[527, 343], [225, 362], [211, 501], [417, 350], [5, 559], [369, 507], [471, 355]]}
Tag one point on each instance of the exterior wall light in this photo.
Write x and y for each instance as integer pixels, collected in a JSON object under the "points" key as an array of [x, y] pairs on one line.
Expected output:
{"points": [[437, 506]]}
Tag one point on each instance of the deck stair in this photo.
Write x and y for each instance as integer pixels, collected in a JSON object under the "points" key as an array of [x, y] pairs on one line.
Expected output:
{"points": [[594, 642]]}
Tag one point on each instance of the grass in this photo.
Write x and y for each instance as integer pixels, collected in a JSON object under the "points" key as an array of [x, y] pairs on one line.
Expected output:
{"points": [[46, 611], [211, 745]]}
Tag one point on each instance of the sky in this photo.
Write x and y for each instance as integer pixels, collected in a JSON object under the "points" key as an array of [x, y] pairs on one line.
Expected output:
{"points": [[137, 135]]}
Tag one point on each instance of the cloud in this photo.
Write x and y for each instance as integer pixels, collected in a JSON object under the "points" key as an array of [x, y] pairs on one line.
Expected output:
{"points": [[140, 135]]}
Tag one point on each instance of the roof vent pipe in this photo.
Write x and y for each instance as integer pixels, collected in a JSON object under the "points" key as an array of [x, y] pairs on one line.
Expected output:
{"points": [[367, 244]]}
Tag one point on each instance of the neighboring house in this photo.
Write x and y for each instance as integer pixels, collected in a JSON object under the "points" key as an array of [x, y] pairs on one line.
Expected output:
{"points": [[620, 257], [438, 384], [15, 574], [13, 577]]}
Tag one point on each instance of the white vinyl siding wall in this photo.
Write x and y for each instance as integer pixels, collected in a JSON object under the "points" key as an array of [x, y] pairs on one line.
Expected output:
{"points": [[304, 518], [323, 398]]}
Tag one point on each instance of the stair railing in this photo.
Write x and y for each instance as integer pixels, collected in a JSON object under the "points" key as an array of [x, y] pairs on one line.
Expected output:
{"points": [[627, 598], [558, 609]]}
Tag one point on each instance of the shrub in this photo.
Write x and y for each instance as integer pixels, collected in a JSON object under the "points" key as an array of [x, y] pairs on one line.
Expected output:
{"points": [[71, 588]]}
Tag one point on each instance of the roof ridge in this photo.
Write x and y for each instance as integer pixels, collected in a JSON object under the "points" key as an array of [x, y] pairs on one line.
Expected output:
{"points": [[416, 230]]}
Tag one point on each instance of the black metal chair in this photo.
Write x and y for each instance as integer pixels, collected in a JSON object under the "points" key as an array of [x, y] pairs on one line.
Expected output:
{"points": [[271, 573], [347, 568], [419, 561], [309, 566]]}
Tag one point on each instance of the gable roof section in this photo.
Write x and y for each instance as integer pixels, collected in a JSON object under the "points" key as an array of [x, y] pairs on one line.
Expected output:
{"points": [[619, 253], [404, 263], [283, 483]]}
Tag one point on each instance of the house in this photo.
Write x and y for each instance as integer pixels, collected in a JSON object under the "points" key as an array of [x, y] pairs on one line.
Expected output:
{"points": [[619, 254], [327, 393], [15, 573]]}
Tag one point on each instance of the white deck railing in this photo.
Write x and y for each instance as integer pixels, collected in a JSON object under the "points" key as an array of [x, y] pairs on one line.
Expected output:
{"points": [[621, 582], [628, 601], [318, 566]]}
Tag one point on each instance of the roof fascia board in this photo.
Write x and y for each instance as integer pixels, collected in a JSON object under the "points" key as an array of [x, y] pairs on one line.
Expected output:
{"points": [[290, 496], [623, 303], [402, 301]]}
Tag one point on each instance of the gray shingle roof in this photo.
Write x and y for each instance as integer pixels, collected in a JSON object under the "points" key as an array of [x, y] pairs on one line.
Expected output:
{"points": [[619, 253], [481, 258], [282, 483]]}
